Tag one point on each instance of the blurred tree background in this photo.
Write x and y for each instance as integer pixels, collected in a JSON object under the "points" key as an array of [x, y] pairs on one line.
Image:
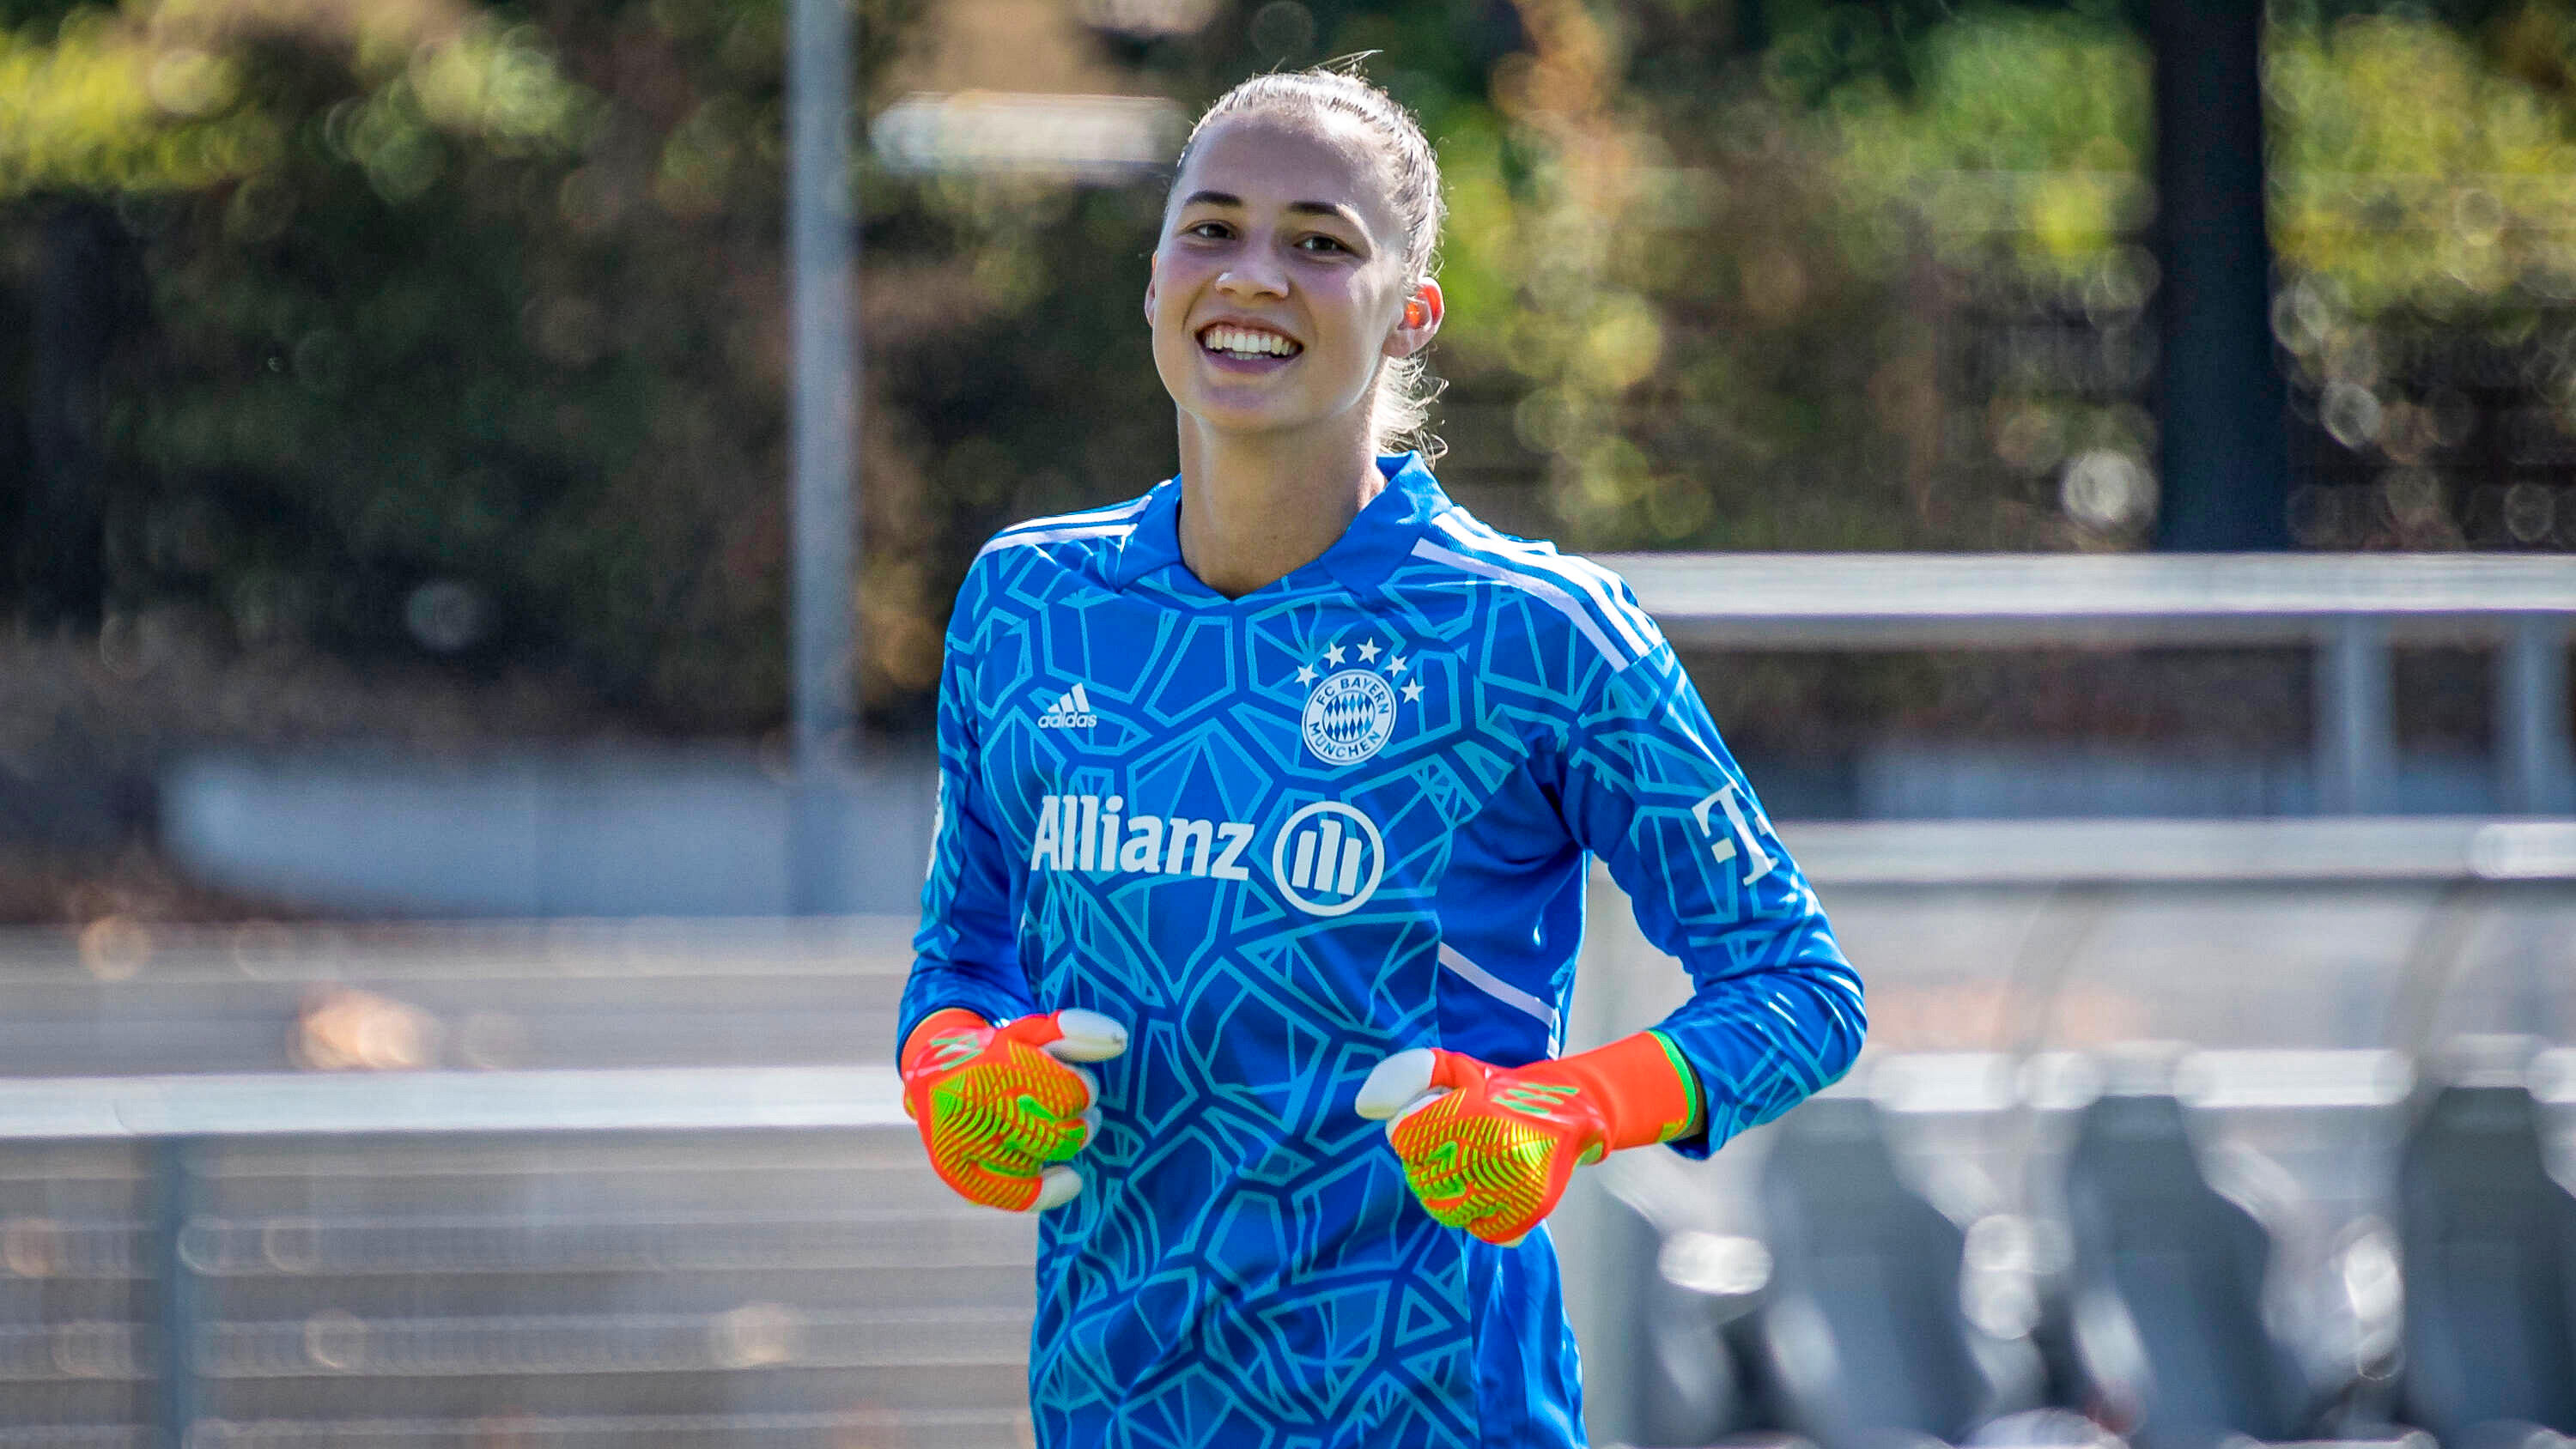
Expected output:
{"points": [[446, 339]]}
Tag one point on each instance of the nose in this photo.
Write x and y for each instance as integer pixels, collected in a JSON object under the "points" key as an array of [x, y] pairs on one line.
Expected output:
{"points": [[1254, 276]]}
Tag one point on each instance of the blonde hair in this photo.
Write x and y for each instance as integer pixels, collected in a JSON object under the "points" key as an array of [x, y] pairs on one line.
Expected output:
{"points": [[1401, 408]]}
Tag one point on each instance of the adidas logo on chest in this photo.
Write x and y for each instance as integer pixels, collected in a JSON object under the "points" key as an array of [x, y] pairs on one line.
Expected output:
{"points": [[1071, 711]]}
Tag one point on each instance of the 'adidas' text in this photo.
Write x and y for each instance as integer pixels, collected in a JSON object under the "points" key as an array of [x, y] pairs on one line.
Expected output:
{"points": [[1071, 711]]}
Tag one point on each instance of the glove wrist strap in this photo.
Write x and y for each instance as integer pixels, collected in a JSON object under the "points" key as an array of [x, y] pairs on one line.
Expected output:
{"points": [[1643, 1089]]}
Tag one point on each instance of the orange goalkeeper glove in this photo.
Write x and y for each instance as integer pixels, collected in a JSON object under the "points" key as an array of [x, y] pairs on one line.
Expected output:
{"points": [[1490, 1149], [997, 1105]]}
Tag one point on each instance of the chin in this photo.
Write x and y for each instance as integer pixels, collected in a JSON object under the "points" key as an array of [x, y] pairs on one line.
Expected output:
{"points": [[1253, 417], [1249, 418]]}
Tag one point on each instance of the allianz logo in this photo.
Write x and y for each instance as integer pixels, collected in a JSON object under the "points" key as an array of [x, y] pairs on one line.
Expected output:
{"points": [[1327, 859]]}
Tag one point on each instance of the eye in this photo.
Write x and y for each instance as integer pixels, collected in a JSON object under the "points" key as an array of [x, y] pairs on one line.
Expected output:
{"points": [[1208, 230], [1317, 241]]}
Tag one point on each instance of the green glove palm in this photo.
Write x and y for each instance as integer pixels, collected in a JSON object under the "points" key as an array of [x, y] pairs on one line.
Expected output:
{"points": [[999, 1109]]}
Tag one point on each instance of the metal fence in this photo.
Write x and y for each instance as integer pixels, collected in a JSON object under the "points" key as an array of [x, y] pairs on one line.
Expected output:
{"points": [[655, 1253], [690, 1249], [2350, 609]]}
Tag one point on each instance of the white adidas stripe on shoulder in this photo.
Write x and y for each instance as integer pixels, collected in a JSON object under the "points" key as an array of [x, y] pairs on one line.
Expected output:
{"points": [[1547, 592], [1563, 593], [1104, 514], [1092, 523], [1601, 585]]}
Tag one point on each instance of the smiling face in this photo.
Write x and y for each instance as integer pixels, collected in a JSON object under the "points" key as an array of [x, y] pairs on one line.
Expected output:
{"points": [[1281, 279]]}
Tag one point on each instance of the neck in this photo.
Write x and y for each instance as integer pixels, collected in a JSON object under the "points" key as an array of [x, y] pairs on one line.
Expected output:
{"points": [[1254, 510]]}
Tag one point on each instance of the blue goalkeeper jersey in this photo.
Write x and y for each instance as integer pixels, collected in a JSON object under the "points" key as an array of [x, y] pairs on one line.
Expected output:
{"points": [[1280, 837]]}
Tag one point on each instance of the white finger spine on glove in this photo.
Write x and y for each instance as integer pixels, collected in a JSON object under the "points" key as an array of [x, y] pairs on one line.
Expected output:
{"points": [[1088, 1037], [1398, 1087]]}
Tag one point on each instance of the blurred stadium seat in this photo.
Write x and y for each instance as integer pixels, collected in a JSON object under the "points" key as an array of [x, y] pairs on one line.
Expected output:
{"points": [[2249, 1210], [1688, 1389], [2489, 1241], [1863, 1338], [2171, 1326], [2210, 1298]]}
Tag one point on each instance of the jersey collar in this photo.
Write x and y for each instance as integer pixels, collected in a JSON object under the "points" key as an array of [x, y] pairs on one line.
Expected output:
{"points": [[1378, 539]]}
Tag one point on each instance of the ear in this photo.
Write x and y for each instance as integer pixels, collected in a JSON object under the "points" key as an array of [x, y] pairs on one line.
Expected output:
{"points": [[1419, 319], [1153, 274]]}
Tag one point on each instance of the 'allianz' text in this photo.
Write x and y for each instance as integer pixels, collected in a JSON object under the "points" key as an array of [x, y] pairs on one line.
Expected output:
{"points": [[1086, 832]]}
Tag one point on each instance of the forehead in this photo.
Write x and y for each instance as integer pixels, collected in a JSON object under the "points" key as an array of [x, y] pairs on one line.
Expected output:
{"points": [[1272, 159]]}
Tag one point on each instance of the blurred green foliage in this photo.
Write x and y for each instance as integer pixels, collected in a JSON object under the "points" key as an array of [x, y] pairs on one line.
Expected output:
{"points": [[2398, 129], [2408, 163], [2421, 171], [465, 322], [463, 335], [2024, 131]]}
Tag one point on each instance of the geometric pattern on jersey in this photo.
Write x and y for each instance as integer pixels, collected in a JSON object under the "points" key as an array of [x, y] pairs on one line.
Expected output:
{"points": [[1283, 837]]}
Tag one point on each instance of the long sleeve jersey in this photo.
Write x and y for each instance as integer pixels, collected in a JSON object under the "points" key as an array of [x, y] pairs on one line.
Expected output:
{"points": [[1279, 837]]}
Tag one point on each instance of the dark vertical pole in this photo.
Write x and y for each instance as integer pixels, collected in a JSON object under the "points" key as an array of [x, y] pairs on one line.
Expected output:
{"points": [[78, 306], [174, 1180], [2356, 719], [822, 629], [2537, 767], [2221, 432]]}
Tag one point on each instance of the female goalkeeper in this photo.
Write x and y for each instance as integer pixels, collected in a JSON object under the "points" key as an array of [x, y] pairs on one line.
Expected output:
{"points": [[1270, 794]]}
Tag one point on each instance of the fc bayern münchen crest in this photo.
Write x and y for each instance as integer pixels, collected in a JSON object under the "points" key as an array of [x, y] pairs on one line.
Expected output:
{"points": [[1349, 716]]}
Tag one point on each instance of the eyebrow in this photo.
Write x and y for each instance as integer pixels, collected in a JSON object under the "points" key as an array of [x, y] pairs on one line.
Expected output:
{"points": [[1303, 208]]}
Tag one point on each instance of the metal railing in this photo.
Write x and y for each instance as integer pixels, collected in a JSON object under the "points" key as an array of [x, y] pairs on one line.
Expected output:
{"points": [[671, 1099], [2350, 608], [205, 1217]]}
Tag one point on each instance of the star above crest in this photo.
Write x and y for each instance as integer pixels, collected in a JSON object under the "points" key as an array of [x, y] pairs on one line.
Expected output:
{"points": [[1373, 654]]}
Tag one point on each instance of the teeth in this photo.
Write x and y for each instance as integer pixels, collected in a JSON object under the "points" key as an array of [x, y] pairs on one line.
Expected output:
{"points": [[1245, 342]]}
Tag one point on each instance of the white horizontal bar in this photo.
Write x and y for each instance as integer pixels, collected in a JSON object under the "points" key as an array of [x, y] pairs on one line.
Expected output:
{"points": [[297, 1245], [1103, 137], [993, 1426], [1916, 599], [850, 948], [2213, 852], [754, 1336], [1944, 1082], [2230, 1079], [672, 1099]]}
